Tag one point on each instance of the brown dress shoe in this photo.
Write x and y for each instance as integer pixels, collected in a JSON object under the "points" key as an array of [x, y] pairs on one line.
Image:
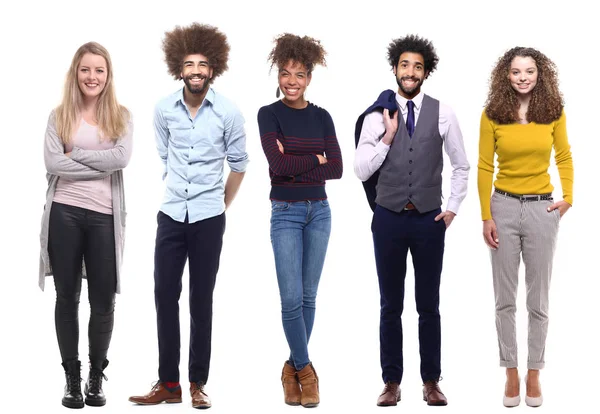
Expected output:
{"points": [[390, 395], [199, 397], [432, 393], [291, 386], [159, 393], [310, 386]]}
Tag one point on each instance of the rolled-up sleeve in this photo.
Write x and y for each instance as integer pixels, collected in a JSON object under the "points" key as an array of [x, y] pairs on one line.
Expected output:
{"points": [[235, 141]]}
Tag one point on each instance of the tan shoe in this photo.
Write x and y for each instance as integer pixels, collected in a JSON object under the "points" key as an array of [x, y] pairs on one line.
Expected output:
{"points": [[199, 397], [390, 395], [159, 393], [310, 386], [291, 386], [432, 393]]}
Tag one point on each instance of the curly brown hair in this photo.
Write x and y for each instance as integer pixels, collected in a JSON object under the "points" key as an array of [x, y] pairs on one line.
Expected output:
{"points": [[414, 44], [546, 105], [305, 50], [195, 39]]}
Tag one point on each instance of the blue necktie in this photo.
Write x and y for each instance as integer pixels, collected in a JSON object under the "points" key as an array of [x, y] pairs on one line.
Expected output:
{"points": [[410, 118]]}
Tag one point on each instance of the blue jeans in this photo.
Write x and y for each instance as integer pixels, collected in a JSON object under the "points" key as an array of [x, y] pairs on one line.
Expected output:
{"points": [[299, 235]]}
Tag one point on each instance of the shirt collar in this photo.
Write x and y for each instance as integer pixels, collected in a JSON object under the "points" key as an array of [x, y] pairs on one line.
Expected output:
{"points": [[210, 96], [418, 100]]}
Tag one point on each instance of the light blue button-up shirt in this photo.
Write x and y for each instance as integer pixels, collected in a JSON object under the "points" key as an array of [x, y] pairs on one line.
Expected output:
{"points": [[193, 153]]}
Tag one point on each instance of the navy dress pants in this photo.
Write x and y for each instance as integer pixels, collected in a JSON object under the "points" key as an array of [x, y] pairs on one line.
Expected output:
{"points": [[394, 235]]}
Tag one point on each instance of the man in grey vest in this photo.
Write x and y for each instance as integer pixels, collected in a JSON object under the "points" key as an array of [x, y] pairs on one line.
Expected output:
{"points": [[399, 149]]}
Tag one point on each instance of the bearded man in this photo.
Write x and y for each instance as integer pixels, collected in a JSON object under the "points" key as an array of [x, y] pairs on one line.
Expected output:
{"points": [[196, 130]]}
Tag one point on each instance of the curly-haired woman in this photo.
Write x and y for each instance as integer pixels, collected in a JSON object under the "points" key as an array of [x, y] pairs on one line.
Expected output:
{"points": [[88, 143], [522, 122], [301, 147]]}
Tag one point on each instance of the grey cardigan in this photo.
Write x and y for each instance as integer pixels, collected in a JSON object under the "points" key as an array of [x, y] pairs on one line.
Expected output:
{"points": [[85, 165]]}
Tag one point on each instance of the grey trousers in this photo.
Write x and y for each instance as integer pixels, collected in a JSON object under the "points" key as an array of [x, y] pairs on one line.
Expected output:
{"points": [[524, 228]]}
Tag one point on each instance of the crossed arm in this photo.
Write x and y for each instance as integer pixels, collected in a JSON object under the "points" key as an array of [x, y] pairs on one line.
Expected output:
{"points": [[84, 164], [109, 160]]}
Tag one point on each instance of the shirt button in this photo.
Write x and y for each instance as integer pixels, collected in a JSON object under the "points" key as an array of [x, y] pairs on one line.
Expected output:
{"points": [[410, 162], [186, 190], [189, 182], [410, 195], [410, 173], [410, 185], [193, 126], [191, 147], [410, 149]]}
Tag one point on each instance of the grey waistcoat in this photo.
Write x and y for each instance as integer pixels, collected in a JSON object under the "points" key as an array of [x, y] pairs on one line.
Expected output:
{"points": [[412, 170]]}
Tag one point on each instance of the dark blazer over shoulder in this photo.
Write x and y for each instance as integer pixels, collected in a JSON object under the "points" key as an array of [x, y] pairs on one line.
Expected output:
{"points": [[386, 100]]}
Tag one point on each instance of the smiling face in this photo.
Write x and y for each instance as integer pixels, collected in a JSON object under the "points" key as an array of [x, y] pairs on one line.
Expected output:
{"points": [[92, 73], [410, 74], [293, 80], [523, 74], [196, 73]]}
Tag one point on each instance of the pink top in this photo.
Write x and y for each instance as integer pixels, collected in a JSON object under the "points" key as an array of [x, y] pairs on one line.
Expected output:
{"points": [[90, 194]]}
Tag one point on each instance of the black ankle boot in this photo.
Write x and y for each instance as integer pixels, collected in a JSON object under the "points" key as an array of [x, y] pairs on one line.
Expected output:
{"points": [[94, 395], [73, 397]]}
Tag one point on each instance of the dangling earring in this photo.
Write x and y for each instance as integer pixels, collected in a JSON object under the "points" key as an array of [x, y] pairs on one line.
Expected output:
{"points": [[278, 93]]}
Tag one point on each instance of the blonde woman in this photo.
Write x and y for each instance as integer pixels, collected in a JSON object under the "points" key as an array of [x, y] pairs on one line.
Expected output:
{"points": [[88, 142]]}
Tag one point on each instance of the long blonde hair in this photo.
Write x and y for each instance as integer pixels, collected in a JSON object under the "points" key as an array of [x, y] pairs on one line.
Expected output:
{"points": [[112, 117]]}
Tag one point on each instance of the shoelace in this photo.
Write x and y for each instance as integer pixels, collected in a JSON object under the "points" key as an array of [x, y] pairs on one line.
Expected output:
{"points": [[432, 385], [96, 377], [201, 388], [73, 381]]}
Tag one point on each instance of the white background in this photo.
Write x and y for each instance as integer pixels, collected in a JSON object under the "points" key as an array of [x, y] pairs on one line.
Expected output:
{"points": [[38, 42]]}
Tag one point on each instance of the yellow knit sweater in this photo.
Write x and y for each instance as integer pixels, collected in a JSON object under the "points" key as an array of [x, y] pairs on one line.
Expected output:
{"points": [[523, 159]]}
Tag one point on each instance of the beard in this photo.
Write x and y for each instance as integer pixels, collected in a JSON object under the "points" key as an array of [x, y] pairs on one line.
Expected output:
{"points": [[197, 89], [409, 91]]}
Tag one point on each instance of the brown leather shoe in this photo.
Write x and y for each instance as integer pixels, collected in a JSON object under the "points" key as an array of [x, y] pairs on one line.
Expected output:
{"points": [[310, 386], [432, 393], [390, 395], [199, 397], [291, 386], [159, 393]]}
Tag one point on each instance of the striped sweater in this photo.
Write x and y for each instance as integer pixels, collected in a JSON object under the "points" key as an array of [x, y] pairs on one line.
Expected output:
{"points": [[296, 174]]}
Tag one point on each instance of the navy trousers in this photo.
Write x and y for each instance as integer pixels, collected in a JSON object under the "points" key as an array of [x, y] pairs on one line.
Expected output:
{"points": [[394, 234], [201, 242]]}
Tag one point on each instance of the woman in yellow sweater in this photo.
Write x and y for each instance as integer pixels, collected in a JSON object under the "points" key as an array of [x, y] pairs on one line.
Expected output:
{"points": [[522, 121]]}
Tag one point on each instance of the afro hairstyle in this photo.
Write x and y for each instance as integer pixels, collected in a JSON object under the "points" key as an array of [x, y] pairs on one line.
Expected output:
{"points": [[413, 44], [195, 39], [304, 50]]}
